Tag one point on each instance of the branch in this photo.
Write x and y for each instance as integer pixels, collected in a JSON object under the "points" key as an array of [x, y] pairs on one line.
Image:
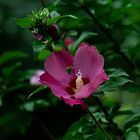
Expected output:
{"points": [[116, 47], [98, 124], [42, 3], [119, 132]]}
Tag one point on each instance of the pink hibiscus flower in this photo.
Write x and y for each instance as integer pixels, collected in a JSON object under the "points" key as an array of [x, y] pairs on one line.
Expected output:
{"points": [[74, 78]]}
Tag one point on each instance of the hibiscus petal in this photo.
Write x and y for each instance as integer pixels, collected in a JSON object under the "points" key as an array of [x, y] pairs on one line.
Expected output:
{"points": [[73, 102], [88, 61], [88, 89], [102, 77], [85, 91], [56, 65], [83, 44], [56, 87]]}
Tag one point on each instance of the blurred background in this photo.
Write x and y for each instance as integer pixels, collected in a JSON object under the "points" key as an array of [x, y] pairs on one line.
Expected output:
{"points": [[43, 116]]}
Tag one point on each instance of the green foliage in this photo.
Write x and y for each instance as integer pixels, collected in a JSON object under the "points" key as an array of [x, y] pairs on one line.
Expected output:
{"points": [[118, 78], [24, 22], [54, 19], [37, 90], [13, 123], [112, 26], [7, 56], [132, 136], [77, 129], [38, 46], [32, 19], [83, 37], [86, 129]]}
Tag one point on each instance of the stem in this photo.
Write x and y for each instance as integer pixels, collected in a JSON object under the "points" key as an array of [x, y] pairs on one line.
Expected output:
{"points": [[42, 3], [116, 47], [103, 108], [109, 118], [98, 124], [66, 48]]}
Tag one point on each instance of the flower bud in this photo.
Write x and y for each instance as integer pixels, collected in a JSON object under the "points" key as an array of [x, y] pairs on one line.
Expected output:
{"points": [[53, 31]]}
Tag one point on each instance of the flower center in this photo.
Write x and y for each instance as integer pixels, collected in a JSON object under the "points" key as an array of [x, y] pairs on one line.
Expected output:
{"points": [[69, 70], [79, 82], [76, 83]]}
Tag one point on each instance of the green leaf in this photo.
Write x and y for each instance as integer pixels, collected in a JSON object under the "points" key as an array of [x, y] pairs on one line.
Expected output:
{"points": [[43, 55], [114, 84], [26, 74], [11, 55], [114, 110], [118, 78], [7, 71], [75, 128], [83, 37], [32, 105], [81, 128], [77, 136], [72, 33], [18, 86], [132, 136], [55, 19], [44, 12], [133, 128], [132, 120], [54, 14], [38, 46], [24, 22], [36, 91], [117, 73]]}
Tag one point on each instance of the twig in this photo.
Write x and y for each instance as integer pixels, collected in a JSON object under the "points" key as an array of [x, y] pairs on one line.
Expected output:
{"points": [[116, 47], [42, 3], [119, 132], [98, 124]]}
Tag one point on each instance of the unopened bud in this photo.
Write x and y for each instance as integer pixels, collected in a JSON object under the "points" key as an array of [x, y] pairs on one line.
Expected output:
{"points": [[53, 31]]}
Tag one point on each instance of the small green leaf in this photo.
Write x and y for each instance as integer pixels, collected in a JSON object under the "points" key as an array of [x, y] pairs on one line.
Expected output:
{"points": [[31, 105], [24, 22], [44, 12], [133, 128], [114, 84], [54, 14], [133, 120], [37, 90], [117, 72], [38, 46], [118, 78], [55, 19], [72, 33], [83, 37], [43, 55], [18, 86]]}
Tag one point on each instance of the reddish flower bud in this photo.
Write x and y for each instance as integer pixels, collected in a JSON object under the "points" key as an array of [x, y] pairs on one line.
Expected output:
{"points": [[53, 31], [68, 41]]}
